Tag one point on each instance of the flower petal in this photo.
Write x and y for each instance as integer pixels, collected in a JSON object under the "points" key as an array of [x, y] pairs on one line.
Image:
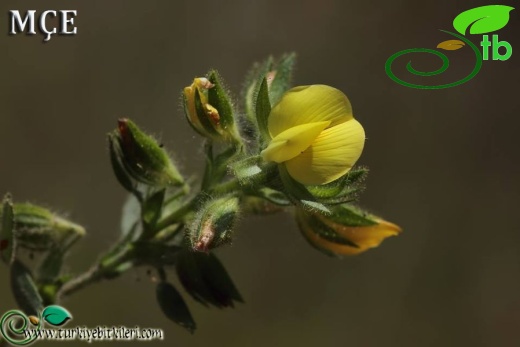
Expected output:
{"points": [[330, 156], [293, 141], [309, 104], [367, 236]]}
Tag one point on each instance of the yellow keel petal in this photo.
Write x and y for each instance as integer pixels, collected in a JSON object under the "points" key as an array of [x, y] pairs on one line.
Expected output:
{"points": [[330, 156], [293, 141]]}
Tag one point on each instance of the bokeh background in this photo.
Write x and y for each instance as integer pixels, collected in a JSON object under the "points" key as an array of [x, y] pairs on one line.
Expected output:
{"points": [[444, 165]]}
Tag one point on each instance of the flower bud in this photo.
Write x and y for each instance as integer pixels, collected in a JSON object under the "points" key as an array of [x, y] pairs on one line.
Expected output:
{"points": [[214, 223], [347, 231], [208, 109], [38, 228], [142, 157]]}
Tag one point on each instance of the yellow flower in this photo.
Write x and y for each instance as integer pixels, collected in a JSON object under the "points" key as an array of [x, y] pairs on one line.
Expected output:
{"points": [[333, 236], [314, 134]]}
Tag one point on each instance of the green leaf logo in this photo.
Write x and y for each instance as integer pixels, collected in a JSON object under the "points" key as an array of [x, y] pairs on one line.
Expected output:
{"points": [[482, 20], [56, 315]]}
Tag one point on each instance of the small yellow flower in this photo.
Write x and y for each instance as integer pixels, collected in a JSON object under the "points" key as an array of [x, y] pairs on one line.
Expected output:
{"points": [[327, 233], [314, 134]]}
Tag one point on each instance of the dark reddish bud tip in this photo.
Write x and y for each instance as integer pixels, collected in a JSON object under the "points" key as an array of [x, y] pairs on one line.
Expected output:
{"points": [[3, 244]]}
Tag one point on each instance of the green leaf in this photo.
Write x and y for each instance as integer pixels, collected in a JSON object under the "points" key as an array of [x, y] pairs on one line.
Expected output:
{"points": [[24, 289], [7, 234], [482, 20], [56, 315], [173, 306], [282, 79], [263, 108]]}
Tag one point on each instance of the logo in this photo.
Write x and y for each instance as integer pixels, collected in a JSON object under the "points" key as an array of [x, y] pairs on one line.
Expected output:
{"points": [[479, 20], [54, 315], [18, 329]]}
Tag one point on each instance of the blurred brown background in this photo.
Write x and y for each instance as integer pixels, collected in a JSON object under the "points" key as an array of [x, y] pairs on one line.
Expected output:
{"points": [[444, 165]]}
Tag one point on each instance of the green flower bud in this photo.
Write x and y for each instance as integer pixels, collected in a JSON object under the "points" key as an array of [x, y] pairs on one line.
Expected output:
{"points": [[214, 223], [38, 228], [142, 157], [208, 109]]}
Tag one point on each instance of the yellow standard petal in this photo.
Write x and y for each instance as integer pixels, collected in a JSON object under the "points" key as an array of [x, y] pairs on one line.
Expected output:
{"points": [[331, 155], [293, 141], [309, 104]]}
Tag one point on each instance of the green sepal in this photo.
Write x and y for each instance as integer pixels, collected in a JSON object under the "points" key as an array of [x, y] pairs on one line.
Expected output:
{"points": [[7, 231], [206, 280], [312, 244], [173, 306], [152, 209], [325, 231], [144, 159], [282, 79], [299, 194], [219, 98], [342, 190], [190, 276], [50, 268], [38, 229], [219, 280], [273, 196], [121, 174], [24, 289], [212, 129], [263, 108], [253, 170], [351, 216], [214, 223], [252, 84]]}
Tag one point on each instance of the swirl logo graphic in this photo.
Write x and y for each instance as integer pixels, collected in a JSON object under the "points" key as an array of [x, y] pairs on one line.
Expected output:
{"points": [[14, 323], [479, 20]]}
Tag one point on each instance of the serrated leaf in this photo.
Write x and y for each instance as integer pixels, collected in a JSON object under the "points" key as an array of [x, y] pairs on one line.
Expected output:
{"points": [[482, 20], [451, 45], [263, 108], [56, 315], [24, 289], [173, 306], [7, 233]]}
